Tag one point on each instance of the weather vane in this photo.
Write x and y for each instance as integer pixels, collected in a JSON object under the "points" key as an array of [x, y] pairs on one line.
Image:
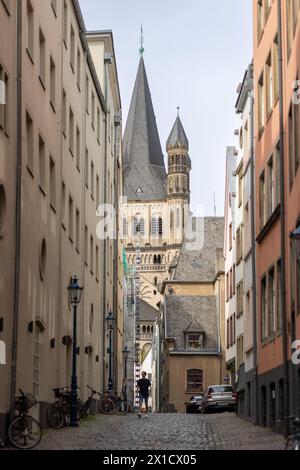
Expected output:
{"points": [[178, 109], [142, 41]]}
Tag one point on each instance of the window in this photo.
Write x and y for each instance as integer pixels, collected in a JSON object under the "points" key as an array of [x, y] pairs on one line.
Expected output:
{"points": [[65, 24], [263, 309], [64, 113], [72, 48], [97, 262], [277, 174], [92, 254], [52, 183], [77, 239], [97, 190], [260, 19], [233, 279], [30, 29], [239, 244], [227, 334], [86, 168], [271, 187], [278, 297], [262, 200], [3, 208], [160, 226], [42, 166], [98, 125], [230, 237], [86, 245], [71, 131], [42, 75], [227, 287], [54, 6], [194, 380], [292, 7], [269, 85], [78, 68], [194, 341], [275, 70], [52, 83], [240, 185], [36, 361], [71, 222], [239, 352], [272, 302], [92, 180], [261, 104], [87, 94], [93, 110], [29, 143], [78, 148], [3, 100], [125, 227], [63, 204], [239, 299]]}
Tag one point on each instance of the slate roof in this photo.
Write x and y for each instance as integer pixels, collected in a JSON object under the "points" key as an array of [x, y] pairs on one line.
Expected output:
{"points": [[178, 137], [147, 312], [183, 311], [202, 264], [144, 168]]}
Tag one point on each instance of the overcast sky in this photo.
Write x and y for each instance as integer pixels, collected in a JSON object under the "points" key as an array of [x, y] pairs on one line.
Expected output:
{"points": [[196, 53]]}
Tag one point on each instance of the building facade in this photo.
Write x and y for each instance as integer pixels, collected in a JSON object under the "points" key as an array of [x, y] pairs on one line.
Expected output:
{"points": [[60, 157], [192, 328], [276, 69]]}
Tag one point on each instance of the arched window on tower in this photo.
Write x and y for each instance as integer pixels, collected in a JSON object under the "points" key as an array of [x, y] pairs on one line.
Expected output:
{"points": [[160, 226], [154, 226], [171, 218]]}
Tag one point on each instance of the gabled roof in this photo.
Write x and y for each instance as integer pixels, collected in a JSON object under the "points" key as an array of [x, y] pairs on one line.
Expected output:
{"points": [[145, 173], [178, 137], [147, 312]]}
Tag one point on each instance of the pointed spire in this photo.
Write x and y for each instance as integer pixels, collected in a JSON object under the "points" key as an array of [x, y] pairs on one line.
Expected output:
{"points": [[145, 173], [178, 137]]}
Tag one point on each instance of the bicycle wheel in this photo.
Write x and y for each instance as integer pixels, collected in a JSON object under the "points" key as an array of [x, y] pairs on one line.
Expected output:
{"points": [[55, 415], [121, 406], [25, 432], [106, 406]]}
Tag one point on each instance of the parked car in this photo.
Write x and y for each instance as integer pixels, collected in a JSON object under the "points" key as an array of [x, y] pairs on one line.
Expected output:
{"points": [[194, 405], [219, 397]]}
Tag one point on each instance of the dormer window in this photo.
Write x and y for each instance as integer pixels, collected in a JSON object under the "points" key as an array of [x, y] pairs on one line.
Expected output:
{"points": [[194, 340]]}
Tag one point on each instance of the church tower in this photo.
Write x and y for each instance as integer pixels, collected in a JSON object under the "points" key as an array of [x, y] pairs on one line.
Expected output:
{"points": [[178, 181]]}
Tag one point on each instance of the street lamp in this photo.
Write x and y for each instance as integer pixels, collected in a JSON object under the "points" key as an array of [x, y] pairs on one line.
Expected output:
{"points": [[75, 292], [125, 353], [110, 326], [295, 237]]}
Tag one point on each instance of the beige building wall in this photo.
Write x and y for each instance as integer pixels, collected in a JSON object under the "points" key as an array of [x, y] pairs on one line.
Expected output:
{"points": [[68, 167]]}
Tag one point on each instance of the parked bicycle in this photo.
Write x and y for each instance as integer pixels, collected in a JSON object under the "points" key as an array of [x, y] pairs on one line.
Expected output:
{"points": [[107, 404], [59, 411], [24, 431], [122, 405], [293, 440], [89, 401]]}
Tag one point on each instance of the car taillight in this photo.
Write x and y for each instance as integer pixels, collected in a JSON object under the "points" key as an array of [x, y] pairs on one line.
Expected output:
{"points": [[234, 395], [209, 396]]}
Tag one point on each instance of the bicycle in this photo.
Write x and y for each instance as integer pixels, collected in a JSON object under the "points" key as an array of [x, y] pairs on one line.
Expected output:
{"points": [[89, 401], [24, 431], [293, 440], [107, 404], [122, 404], [59, 412]]}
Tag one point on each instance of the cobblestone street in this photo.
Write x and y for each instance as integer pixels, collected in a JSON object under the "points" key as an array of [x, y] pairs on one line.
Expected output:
{"points": [[163, 432]]}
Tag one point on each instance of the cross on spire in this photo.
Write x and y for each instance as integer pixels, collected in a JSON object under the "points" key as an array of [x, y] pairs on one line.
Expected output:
{"points": [[178, 109], [142, 50]]}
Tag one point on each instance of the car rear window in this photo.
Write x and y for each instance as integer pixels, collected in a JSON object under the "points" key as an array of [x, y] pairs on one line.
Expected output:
{"points": [[221, 389]]}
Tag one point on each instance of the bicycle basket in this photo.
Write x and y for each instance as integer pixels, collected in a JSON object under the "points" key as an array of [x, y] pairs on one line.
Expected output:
{"points": [[25, 402]]}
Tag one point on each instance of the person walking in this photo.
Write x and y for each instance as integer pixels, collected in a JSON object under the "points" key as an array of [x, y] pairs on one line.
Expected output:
{"points": [[144, 386]]}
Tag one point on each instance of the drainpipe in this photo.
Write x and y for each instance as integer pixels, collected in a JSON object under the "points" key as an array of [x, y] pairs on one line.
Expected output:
{"points": [[219, 329], [282, 221], [17, 213], [253, 255]]}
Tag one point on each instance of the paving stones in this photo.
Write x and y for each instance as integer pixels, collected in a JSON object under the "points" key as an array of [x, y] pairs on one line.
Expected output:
{"points": [[163, 432]]}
